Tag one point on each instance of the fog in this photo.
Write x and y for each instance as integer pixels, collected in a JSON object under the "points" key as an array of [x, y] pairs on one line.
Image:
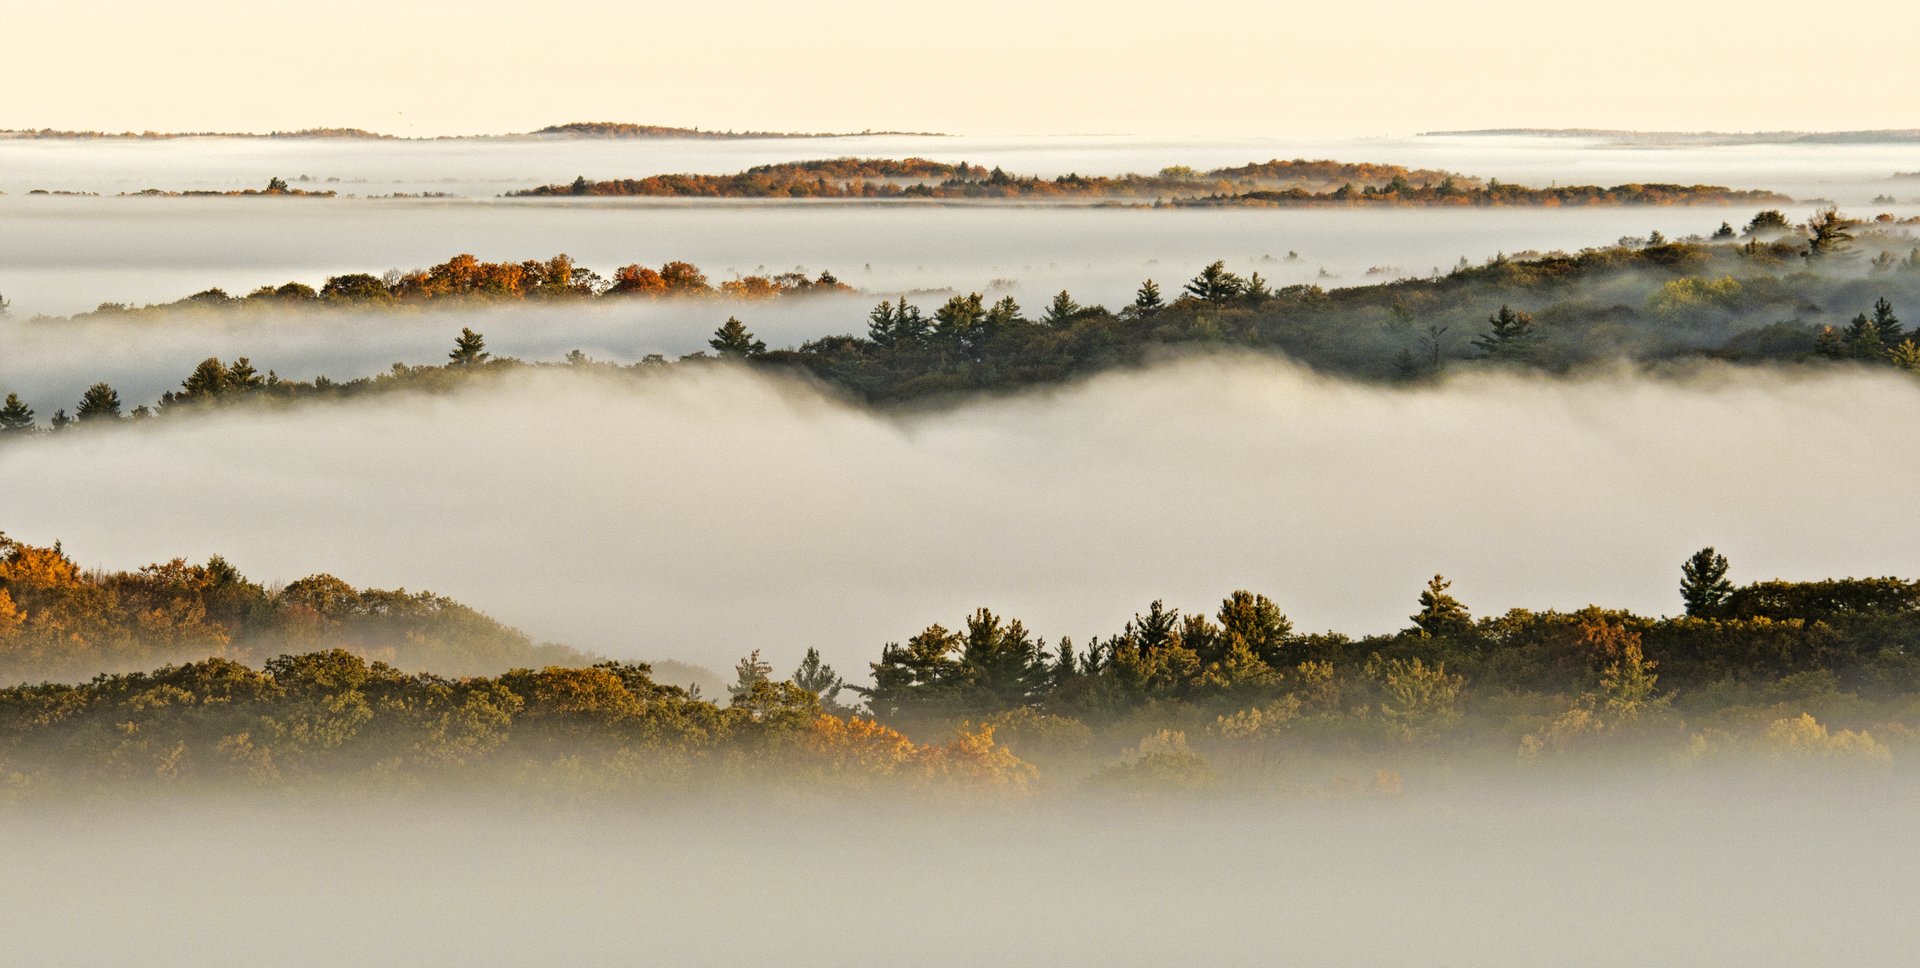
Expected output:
{"points": [[1634, 874], [68, 255], [1848, 173], [704, 513]]}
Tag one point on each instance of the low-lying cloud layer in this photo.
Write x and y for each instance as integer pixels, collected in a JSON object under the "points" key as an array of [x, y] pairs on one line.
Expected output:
{"points": [[702, 514]]}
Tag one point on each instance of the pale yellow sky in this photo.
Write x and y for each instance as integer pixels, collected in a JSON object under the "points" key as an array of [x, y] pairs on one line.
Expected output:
{"points": [[1215, 67]]}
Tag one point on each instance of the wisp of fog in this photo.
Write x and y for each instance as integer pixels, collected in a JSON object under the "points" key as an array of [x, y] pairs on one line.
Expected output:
{"points": [[710, 511]]}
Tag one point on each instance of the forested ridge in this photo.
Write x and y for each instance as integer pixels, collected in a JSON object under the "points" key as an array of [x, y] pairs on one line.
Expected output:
{"points": [[1816, 675], [1828, 292], [1298, 182]]}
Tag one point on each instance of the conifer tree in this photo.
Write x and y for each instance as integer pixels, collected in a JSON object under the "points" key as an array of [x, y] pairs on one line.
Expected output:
{"points": [[1512, 336], [1888, 325], [817, 677], [1703, 582], [100, 402], [469, 349], [1216, 285], [1147, 299], [733, 339], [16, 417], [1441, 613], [1062, 310]]}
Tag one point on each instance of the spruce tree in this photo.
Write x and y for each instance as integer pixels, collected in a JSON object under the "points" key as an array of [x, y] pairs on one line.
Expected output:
{"points": [[817, 677], [16, 417], [1703, 583], [1891, 332], [733, 339], [469, 349]]}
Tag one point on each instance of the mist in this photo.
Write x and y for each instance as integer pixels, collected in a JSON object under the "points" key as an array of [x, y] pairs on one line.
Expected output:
{"points": [[710, 511], [1639, 873]]}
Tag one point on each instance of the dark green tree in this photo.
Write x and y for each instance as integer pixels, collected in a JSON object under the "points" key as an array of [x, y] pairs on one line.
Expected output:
{"points": [[1062, 310], [469, 349], [1512, 336], [16, 417], [1703, 583], [1863, 339], [100, 402], [817, 677], [1440, 613], [1147, 299], [1888, 325], [734, 340], [1216, 285]]}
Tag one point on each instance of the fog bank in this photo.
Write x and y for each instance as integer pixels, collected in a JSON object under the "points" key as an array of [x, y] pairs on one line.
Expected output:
{"points": [[1582, 878], [704, 513]]}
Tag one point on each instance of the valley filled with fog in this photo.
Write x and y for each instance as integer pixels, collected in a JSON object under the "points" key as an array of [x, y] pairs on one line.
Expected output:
{"points": [[700, 515]]}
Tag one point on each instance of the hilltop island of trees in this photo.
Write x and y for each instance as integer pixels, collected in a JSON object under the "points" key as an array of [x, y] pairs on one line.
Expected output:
{"points": [[1273, 183], [1807, 678]]}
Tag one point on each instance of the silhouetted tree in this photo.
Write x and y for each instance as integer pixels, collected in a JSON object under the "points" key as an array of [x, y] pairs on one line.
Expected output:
{"points": [[1216, 285], [100, 402], [1703, 583], [1441, 614], [16, 417], [1512, 337], [1147, 299], [733, 339], [469, 349]]}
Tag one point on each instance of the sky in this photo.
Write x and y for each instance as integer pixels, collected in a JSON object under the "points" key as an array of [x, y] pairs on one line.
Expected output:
{"points": [[1214, 67]]}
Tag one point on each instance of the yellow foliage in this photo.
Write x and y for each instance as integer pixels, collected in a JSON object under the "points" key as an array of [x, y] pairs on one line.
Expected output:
{"points": [[1803, 737]]}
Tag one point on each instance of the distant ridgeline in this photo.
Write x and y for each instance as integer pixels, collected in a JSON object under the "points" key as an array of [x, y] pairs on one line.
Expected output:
{"points": [[1273, 183], [1627, 136], [576, 129], [1829, 293]]}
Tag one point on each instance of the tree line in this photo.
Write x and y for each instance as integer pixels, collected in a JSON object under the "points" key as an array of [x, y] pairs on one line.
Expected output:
{"points": [[1820, 673]]}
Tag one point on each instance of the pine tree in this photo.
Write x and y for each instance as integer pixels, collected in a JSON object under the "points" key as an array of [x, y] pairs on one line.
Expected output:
{"points": [[1148, 298], [470, 349], [1440, 613], [1003, 313], [242, 377], [1512, 336], [733, 339], [16, 417], [1906, 356], [748, 673], [1216, 285], [1062, 310], [1703, 582], [1723, 233], [60, 420], [1828, 234], [816, 677], [100, 402], [1891, 332]]}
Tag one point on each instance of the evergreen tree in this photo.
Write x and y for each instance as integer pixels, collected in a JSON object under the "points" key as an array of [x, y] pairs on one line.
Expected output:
{"points": [[1003, 313], [16, 417], [469, 349], [961, 320], [733, 339], [242, 377], [1906, 356], [749, 672], [816, 677], [1828, 345], [1863, 339], [100, 402], [1891, 331], [1512, 337], [1003, 666], [1216, 285], [1703, 583], [1441, 614], [1827, 234], [1148, 298], [1062, 310], [60, 420], [1723, 233]]}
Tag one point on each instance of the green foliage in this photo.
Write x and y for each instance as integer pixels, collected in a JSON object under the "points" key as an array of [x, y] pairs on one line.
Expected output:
{"points": [[732, 339], [1703, 582], [470, 349]]}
